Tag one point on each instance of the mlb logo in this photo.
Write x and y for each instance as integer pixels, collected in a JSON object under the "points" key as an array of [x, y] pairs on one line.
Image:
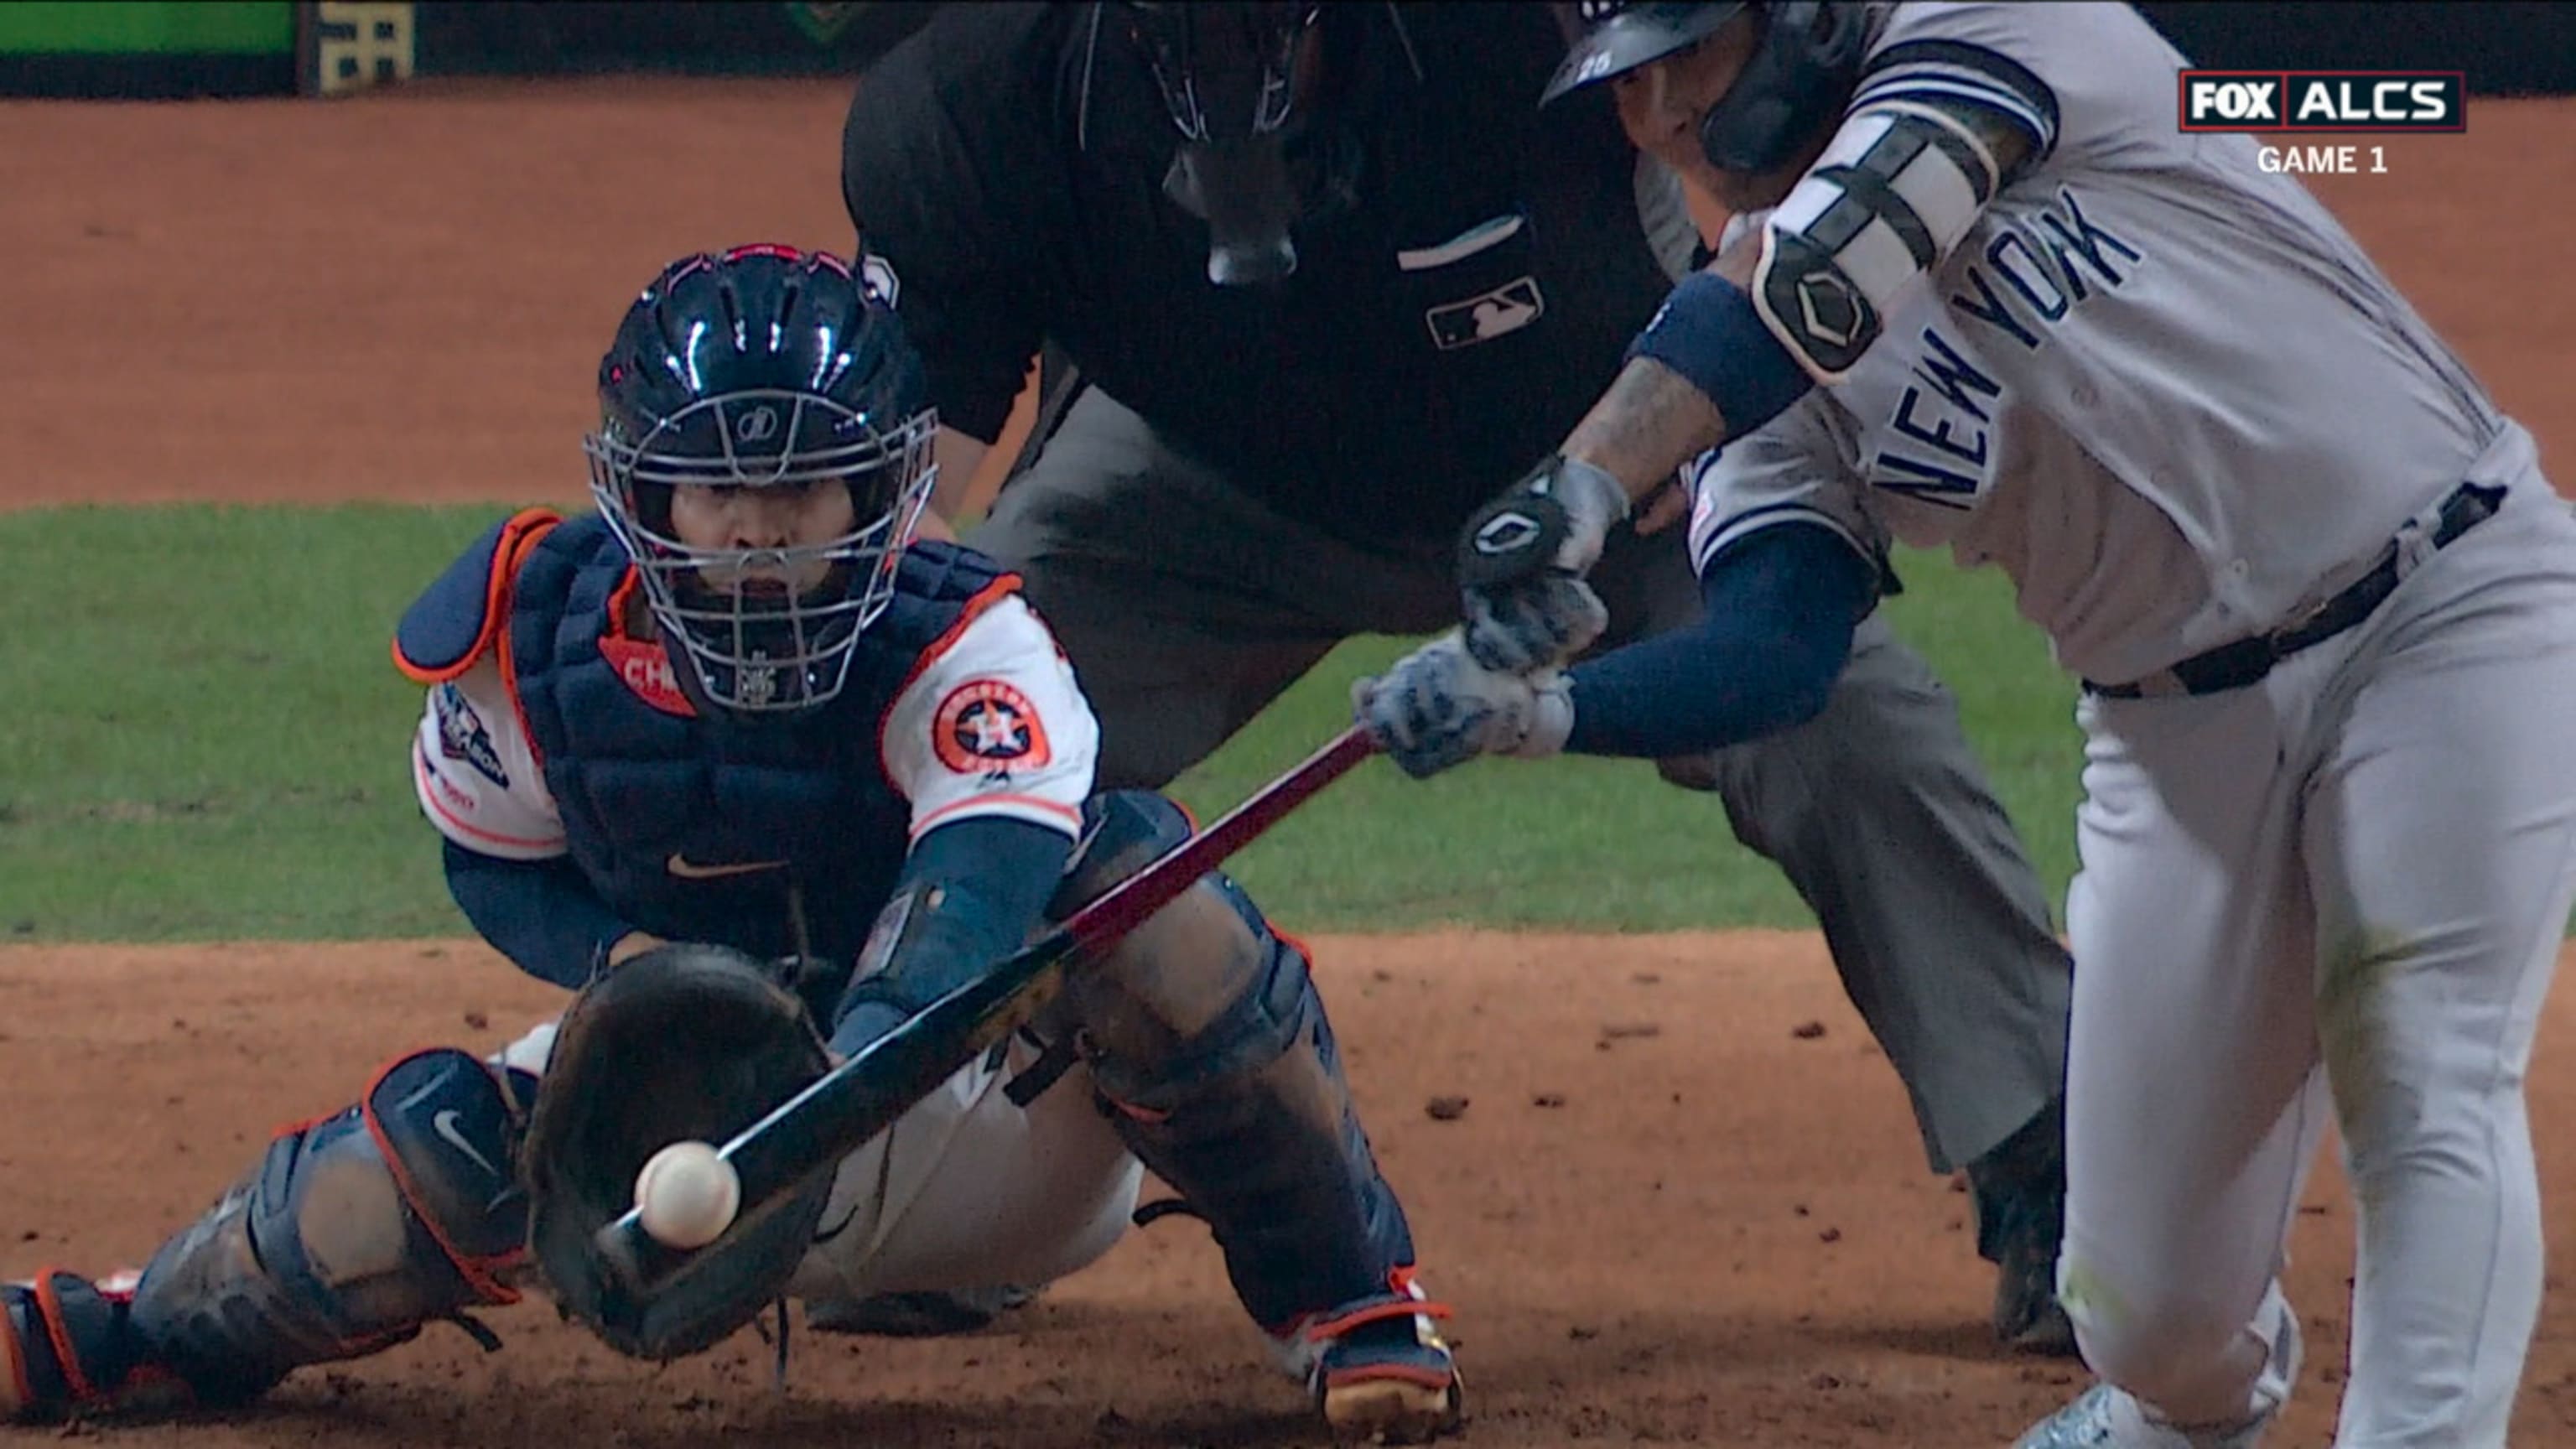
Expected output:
{"points": [[1488, 315], [2288, 101]]}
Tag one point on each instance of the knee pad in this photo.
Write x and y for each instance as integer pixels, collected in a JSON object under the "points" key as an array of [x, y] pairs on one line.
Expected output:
{"points": [[1192, 992], [1202, 991], [1122, 832], [1210, 1047], [352, 1232]]}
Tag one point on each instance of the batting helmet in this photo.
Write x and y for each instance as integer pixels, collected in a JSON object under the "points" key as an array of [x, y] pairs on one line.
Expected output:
{"points": [[1800, 74], [764, 368]]}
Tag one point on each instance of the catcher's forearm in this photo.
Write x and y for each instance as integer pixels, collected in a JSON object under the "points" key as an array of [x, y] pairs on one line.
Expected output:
{"points": [[540, 913], [970, 892]]}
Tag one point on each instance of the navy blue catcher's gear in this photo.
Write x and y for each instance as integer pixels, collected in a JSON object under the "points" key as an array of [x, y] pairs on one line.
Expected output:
{"points": [[350, 1233], [1799, 77], [774, 370], [1203, 1030], [643, 777]]}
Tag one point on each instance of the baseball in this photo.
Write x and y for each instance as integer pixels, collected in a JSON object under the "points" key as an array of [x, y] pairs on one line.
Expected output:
{"points": [[688, 1195]]}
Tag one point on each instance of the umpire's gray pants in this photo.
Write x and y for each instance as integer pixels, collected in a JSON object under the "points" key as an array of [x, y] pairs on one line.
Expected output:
{"points": [[1186, 606]]}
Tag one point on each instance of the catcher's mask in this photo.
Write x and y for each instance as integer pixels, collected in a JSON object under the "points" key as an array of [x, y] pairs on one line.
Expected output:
{"points": [[682, 1042], [1801, 72], [1240, 83], [773, 370]]}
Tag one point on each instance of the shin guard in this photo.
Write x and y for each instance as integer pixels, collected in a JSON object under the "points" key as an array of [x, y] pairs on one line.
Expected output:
{"points": [[1205, 1034], [352, 1232]]}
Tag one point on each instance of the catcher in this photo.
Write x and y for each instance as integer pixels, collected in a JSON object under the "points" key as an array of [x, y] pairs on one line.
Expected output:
{"points": [[739, 723]]}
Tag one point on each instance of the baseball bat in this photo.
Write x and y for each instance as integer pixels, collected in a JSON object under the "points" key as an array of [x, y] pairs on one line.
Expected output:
{"points": [[845, 1108]]}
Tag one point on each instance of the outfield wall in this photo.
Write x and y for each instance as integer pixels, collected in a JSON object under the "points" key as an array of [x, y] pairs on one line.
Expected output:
{"points": [[2505, 48], [236, 47], [2519, 48], [147, 48]]}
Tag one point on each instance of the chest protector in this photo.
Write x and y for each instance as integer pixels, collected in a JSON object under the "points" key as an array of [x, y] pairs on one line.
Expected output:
{"points": [[769, 835]]}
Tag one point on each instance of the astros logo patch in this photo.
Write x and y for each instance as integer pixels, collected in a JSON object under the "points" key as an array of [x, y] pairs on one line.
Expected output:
{"points": [[985, 724]]}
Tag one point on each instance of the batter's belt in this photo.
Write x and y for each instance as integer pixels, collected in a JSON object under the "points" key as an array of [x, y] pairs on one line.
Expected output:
{"points": [[2234, 666]]}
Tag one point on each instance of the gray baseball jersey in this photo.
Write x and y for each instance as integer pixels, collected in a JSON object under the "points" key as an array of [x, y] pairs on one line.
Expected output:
{"points": [[2140, 347]]}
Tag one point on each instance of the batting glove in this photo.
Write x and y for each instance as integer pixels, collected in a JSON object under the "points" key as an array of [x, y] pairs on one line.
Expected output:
{"points": [[1522, 561], [1437, 708]]}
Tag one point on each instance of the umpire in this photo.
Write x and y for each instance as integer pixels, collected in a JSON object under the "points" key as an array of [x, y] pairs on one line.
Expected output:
{"points": [[1321, 276]]}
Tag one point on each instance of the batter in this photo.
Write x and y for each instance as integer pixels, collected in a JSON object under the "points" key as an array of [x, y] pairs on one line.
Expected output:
{"points": [[2322, 597]]}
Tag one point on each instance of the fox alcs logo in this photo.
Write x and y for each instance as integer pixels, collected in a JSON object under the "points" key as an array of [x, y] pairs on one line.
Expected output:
{"points": [[2324, 100]]}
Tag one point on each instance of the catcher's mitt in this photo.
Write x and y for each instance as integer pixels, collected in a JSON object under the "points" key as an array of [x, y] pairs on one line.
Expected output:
{"points": [[681, 1042]]}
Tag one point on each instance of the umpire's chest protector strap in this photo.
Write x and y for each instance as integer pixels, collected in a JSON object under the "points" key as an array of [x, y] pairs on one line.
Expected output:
{"points": [[460, 617]]}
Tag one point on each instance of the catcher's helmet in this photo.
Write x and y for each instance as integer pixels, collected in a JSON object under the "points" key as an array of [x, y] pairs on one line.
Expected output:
{"points": [[766, 368], [1797, 80]]}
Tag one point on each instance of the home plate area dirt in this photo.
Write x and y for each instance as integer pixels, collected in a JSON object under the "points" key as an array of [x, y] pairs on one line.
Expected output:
{"points": [[1668, 1182]]}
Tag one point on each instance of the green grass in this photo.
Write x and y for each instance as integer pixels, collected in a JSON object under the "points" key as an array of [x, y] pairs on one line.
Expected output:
{"points": [[205, 740]]}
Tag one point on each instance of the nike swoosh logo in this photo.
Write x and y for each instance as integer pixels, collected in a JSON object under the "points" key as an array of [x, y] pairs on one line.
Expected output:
{"points": [[444, 1124], [687, 869]]}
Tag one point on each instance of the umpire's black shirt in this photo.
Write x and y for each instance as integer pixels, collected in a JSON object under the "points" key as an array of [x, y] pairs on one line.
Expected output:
{"points": [[1440, 335]]}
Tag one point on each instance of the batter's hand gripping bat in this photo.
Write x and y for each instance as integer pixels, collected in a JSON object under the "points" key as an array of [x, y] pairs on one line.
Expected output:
{"points": [[845, 1108]]}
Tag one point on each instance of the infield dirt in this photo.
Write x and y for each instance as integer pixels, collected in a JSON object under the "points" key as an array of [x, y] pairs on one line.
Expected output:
{"points": [[1683, 1203]]}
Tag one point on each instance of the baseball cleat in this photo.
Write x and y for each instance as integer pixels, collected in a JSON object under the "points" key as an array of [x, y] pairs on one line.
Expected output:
{"points": [[2020, 1192], [2104, 1417], [1378, 1369], [66, 1346], [2107, 1418], [2027, 1316]]}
